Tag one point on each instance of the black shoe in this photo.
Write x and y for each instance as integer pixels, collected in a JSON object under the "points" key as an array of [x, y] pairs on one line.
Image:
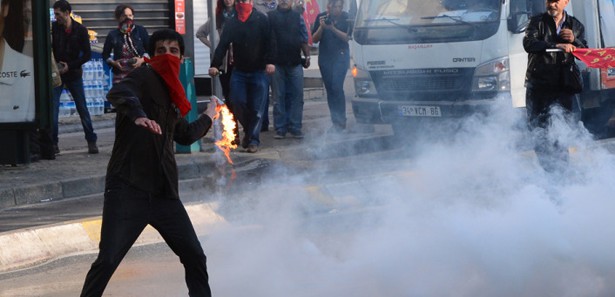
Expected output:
{"points": [[297, 135], [47, 153], [279, 135], [92, 148], [245, 141], [56, 149], [34, 158], [48, 156], [336, 130], [252, 148]]}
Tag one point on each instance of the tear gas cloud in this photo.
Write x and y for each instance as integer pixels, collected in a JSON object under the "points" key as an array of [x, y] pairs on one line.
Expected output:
{"points": [[471, 216]]}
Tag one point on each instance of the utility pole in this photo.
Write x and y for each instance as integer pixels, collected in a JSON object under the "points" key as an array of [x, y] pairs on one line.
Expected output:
{"points": [[216, 87]]}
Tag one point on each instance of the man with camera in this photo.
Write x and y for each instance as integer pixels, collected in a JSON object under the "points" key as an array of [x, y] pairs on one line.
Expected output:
{"points": [[333, 31], [290, 39]]}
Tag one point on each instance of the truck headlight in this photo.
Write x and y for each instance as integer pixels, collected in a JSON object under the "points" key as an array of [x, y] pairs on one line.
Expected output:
{"points": [[363, 84], [492, 76]]}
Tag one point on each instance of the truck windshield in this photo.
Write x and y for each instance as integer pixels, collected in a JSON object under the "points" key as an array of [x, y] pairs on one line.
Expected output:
{"points": [[426, 21]]}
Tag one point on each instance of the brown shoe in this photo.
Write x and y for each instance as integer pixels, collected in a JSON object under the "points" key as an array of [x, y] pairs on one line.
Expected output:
{"points": [[252, 148], [92, 148]]}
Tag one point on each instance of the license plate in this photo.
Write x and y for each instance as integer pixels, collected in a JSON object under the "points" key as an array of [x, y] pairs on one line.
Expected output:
{"points": [[420, 111]]}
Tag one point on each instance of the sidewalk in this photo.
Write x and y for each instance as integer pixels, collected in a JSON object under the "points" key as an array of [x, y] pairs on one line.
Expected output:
{"points": [[75, 173], [39, 213]]}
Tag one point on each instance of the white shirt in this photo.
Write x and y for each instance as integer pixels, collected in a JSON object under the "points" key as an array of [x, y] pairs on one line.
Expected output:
{"points": [[16, 87]]}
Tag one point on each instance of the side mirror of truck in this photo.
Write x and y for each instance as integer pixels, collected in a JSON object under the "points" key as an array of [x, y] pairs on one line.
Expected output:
{"points": [[518, 21]]}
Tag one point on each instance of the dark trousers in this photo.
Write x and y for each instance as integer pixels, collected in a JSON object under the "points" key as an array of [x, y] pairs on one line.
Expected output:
{"points": [[225, 82], [127, 211], [75, 87], [552, 155], [249, 96], [333, 70]]}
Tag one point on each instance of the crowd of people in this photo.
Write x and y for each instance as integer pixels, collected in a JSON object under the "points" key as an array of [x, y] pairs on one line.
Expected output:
{"points": [[264, 46], [263, 49], [261, 56]]}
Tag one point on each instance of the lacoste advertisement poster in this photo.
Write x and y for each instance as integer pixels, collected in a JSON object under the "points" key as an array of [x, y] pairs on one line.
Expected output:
{"points": [[16, 64]]}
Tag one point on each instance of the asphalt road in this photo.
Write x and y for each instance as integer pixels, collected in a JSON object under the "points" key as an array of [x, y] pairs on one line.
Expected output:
{"points": [[311, 213]]}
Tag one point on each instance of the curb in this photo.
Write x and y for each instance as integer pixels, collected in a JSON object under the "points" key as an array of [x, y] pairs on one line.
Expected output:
{"points": [[52, 191], [20, 194], [63, 240]]}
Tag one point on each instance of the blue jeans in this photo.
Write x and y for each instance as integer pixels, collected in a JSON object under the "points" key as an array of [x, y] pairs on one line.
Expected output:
{"points": [[288, 105], [75, 88], [333, 71], [249, 91]]}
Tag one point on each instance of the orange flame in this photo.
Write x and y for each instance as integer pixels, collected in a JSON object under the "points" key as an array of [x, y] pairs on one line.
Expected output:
{"points": [[226, 143]]}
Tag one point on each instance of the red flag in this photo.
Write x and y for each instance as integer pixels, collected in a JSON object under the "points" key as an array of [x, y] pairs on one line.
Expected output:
{"points": [[312, 10], [307, 26], [596, 57]]}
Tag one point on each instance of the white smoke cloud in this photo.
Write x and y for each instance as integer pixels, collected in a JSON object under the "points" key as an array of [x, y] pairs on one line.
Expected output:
{"points": [[472, 215]]}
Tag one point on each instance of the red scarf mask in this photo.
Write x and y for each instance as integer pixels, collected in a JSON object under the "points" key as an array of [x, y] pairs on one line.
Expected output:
{"points": [[243, 11], [167, 66], [126, 26]]}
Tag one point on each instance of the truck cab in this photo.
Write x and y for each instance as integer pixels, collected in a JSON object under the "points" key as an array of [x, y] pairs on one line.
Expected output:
{"points": [[436, 59]]}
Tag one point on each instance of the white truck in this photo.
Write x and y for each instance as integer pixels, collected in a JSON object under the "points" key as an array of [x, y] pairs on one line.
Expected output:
{"points": [[431, 59]]}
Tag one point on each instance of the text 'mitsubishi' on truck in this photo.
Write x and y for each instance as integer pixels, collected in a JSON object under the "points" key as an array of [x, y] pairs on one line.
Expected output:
{"points": [[435, 59]]}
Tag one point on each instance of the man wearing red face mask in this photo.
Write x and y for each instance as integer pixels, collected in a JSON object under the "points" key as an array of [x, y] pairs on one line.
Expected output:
{"points": [[253, 56], [142, 183]]}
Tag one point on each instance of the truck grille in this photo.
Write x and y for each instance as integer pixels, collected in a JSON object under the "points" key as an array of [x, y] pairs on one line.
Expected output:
{"points": [[421, 84], [424, 84]]}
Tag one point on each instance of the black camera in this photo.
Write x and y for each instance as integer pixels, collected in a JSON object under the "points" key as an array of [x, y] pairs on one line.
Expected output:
{"points": [[328, 20]]}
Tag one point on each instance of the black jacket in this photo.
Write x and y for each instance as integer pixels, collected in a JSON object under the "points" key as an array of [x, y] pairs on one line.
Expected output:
{"points": [[287, 40], [543, 69], [252, 48], [115, 43], [72, 48], [144, 159]]}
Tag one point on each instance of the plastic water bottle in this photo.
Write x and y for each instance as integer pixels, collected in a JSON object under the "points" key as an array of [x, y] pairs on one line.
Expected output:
{"points": [[87, 90], [101, 98], [92, 71], [101, 106], [100, 72], [86, 72], [64, 110], [70, 106], [89, 105]]}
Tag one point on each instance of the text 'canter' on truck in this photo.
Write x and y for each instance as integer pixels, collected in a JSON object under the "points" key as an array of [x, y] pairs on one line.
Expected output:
{"points": [[430, 60]]}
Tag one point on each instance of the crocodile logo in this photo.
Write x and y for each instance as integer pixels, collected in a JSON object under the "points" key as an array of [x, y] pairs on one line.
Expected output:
{"points": [[24, 73]]}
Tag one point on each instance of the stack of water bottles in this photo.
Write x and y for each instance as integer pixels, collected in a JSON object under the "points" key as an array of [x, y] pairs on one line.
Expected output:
{"points": [[95, 85]]}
